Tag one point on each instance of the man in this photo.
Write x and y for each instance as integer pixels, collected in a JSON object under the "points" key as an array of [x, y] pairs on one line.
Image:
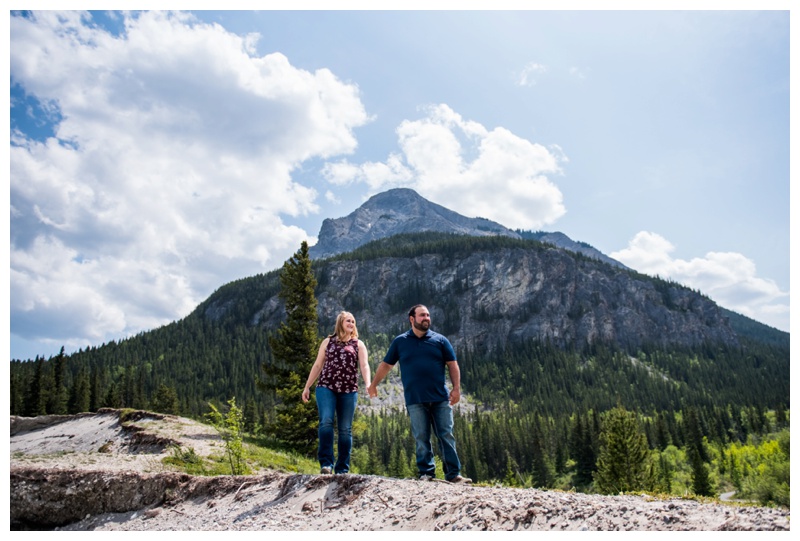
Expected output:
{"points": [[423, 355]]}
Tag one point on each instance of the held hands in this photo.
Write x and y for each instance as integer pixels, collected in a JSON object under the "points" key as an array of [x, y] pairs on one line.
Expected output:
{"points": [[306, 394], [455, 396], [372, 391]]}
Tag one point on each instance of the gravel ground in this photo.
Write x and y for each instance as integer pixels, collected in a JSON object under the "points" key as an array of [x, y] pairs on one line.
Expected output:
{"points": [[57, 467]]}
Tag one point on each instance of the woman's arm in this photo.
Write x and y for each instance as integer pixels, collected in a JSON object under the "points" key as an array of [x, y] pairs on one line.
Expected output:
{"points": [[363, 362], [315, 370]]}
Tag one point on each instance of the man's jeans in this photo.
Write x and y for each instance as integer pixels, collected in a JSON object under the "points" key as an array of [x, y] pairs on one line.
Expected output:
{"points": [[343, 405], [439, 416]]}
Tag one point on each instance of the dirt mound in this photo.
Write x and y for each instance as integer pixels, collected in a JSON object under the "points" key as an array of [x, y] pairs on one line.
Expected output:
{"points": [[107, 440], [77, 488]]}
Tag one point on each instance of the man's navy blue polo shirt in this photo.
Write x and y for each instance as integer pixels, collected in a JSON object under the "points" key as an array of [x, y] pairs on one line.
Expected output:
{"points": [[422, 365]]}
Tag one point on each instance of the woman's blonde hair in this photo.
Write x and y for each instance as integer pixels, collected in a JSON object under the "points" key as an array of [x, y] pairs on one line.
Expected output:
{"points": [[340, 331]]}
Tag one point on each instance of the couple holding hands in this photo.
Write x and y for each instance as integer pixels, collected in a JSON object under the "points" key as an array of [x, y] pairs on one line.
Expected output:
{"points": [[423, 356]]}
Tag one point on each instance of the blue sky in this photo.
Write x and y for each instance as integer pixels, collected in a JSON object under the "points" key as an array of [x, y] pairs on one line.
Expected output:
{"points": [[155, 157]]}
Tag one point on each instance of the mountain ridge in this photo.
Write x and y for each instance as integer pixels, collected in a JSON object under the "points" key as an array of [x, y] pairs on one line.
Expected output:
{"points": [[403, 210], [395, 211]]}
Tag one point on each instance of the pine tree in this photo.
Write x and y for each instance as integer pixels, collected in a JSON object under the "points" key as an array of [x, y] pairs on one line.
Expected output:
{"points": [[697, 454], [664, 475], [165, 400], [95, 396], [542, 476], [251, 417], [622, 464], [781, 419], [17, 396], [58, 399], [293, 352], [37, 403], [582, 451], [79, 398], [113, 399], [662, 432], [399, 464], [511, 478]]}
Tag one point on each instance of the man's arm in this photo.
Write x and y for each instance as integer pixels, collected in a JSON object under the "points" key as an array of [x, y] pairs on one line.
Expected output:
{"points": [[380, 373], [455, 379]]}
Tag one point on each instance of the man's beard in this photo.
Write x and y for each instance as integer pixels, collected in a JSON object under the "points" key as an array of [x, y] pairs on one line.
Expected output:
{"points": [[424, 326]]}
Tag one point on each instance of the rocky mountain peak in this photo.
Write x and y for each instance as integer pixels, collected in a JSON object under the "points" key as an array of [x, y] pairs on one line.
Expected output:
{"points": [[400, 210]]}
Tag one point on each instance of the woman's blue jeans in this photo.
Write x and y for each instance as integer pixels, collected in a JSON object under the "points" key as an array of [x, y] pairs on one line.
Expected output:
{"points": [[439, 417], [343, 406]]}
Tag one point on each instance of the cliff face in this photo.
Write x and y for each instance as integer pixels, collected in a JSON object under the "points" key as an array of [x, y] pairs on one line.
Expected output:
{"points": [[545, 287], [485, 298]]}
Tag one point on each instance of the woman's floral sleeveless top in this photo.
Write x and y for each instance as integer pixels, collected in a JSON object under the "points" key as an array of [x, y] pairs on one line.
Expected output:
{"points": [[340, 371]]}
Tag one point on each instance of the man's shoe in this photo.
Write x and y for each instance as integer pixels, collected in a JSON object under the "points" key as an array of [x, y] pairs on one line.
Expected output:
{"points": [[458, 479], [325, 471], [426, 478]]}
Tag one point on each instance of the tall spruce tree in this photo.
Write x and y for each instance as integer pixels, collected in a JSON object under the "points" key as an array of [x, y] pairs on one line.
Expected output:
{"points": [[542, 476], [294, 349], [622, 464], [165, 400], [37, 403], [697, 454], [79, 396], [582, 451], [58, 399]]}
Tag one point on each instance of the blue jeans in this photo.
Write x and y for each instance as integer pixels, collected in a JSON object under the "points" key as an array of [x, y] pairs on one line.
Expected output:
{"points": [[343, 405], [439, 417]]}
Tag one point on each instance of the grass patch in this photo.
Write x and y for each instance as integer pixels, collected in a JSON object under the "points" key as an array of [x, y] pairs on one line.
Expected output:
{"points": [[266, 458], [257, 457], [188, 461]]}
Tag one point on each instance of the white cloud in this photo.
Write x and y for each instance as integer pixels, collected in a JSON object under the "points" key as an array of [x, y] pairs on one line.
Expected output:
{"points": [[526, 77], [332, 197], [462, 165], [577, 73], [728, 278], [171, 167]]}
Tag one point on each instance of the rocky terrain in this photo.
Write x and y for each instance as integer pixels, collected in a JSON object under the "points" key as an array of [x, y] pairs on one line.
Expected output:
{"points": [[94, 472]]}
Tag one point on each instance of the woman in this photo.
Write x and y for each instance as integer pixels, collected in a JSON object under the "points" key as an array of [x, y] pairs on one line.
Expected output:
{"points": [[339, 357]]}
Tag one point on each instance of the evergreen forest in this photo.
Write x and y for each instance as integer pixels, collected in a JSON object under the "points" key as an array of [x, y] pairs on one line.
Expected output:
{"points": [[703, 420]]}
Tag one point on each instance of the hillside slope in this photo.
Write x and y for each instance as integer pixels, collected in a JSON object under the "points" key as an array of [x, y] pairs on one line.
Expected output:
{"points": [[492, 291]]}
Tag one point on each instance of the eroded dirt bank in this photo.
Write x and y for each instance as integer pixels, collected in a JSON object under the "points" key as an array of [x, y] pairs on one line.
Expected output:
{"points": [[127, 487]]}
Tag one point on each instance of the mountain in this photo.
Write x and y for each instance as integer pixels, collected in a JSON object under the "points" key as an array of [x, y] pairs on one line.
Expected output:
{"points": [[547, 327], [403, 210], [396, 211], [488, 291]]}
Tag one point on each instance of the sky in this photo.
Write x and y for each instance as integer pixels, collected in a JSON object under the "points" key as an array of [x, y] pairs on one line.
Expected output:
{"points": [[156, 156]]}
